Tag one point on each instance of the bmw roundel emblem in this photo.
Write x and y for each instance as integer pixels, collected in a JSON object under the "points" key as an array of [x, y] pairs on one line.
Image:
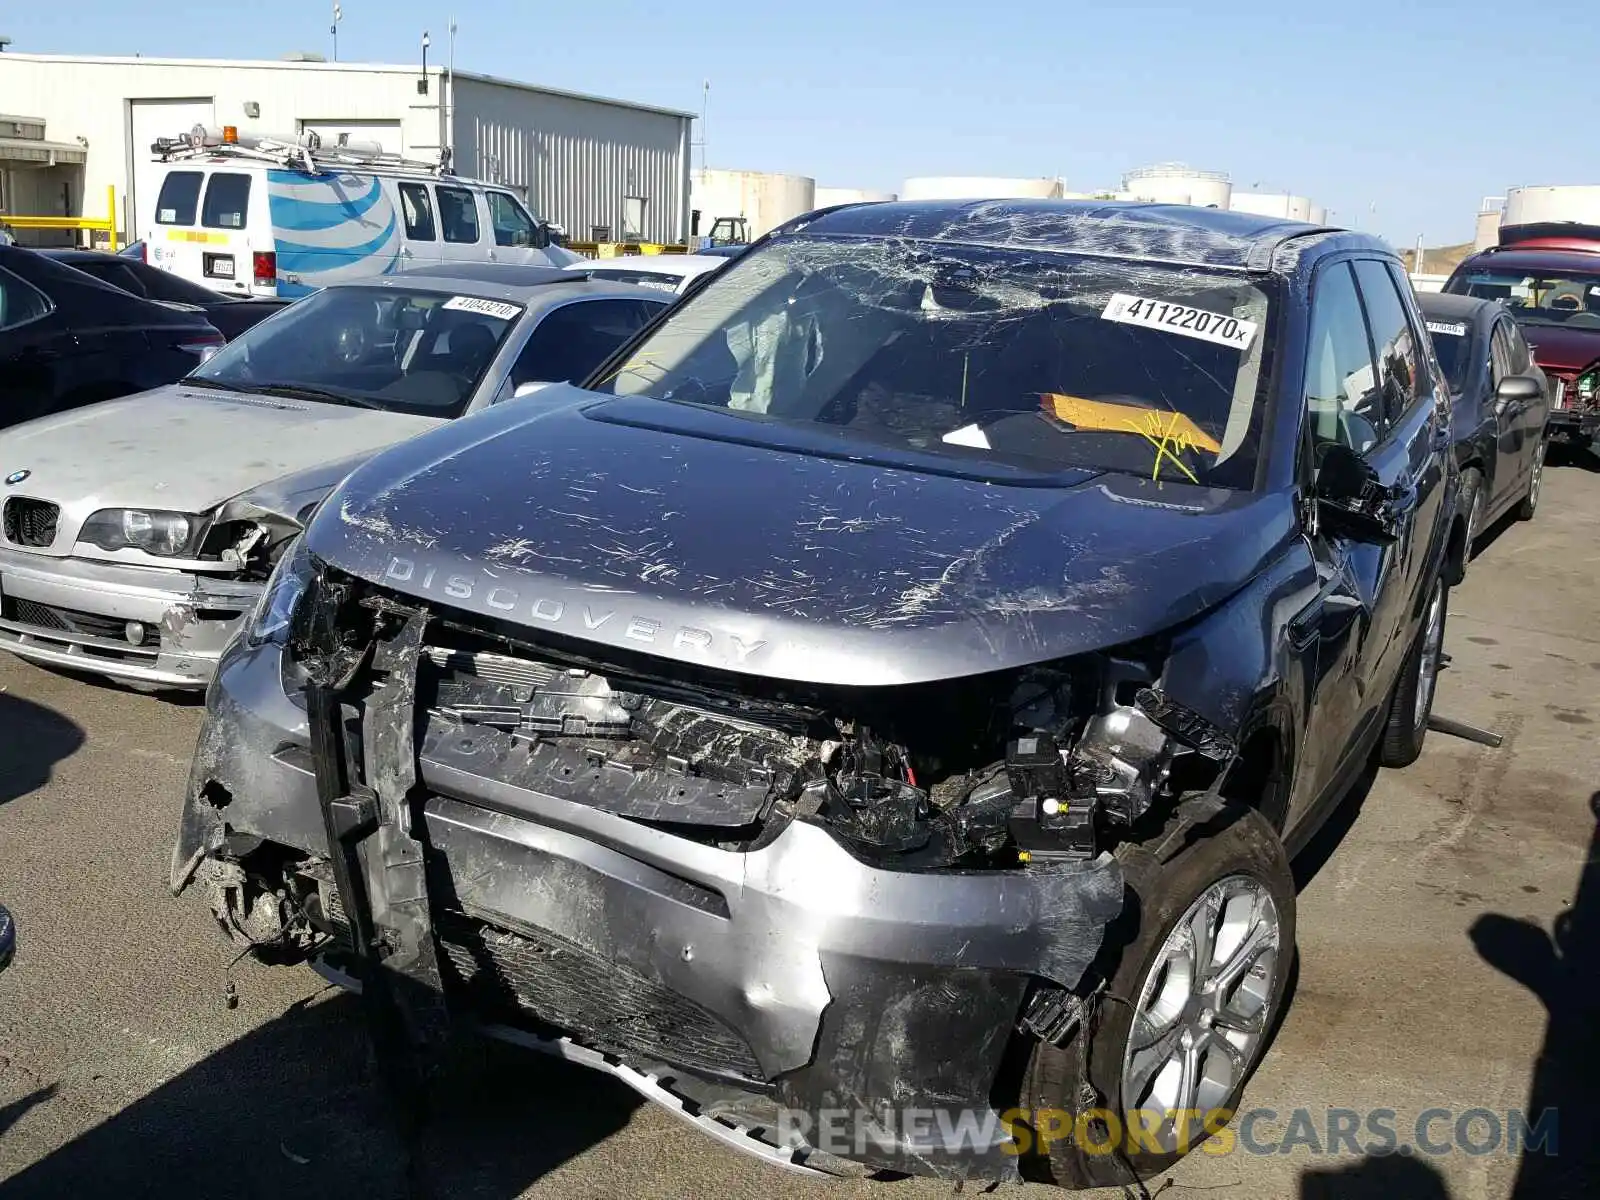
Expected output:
{"points": [[17, 477]]}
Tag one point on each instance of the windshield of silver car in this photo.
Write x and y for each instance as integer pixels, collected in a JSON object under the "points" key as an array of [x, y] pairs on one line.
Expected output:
{"points": [[421, 352], [1039, 361]]}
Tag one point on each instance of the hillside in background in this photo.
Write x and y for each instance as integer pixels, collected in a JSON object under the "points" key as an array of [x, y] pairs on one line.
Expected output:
{"points": [[1438, 260]]}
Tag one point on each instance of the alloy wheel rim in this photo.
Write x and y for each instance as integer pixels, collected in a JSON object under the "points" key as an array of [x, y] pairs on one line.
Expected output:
{"points": [[1432, 643], [1203, 1010]]}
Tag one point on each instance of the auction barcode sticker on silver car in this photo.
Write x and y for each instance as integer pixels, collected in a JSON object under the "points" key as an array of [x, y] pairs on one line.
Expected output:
{"points": [[487, 308], [1446, 327], [1181, 319]]}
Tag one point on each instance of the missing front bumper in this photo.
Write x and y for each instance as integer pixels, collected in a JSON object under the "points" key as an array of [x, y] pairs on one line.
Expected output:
{"points": [[786, 977]]}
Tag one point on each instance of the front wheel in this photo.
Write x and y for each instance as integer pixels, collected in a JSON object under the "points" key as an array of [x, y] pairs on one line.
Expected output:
{"points": [[1412, 703], [1191, 997]]}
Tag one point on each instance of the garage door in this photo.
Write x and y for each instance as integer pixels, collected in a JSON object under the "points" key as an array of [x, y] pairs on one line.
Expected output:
{"points": [[149, 120], [385, 133]]}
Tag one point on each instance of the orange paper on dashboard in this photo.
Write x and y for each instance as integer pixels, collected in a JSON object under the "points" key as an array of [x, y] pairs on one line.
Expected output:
{"points": [[1158, 424]]}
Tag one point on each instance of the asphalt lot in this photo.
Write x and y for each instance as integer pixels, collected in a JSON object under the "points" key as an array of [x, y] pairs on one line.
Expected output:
{"points": [[1428, 977]]}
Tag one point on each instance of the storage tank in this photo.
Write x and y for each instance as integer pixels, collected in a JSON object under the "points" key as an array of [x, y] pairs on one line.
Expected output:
{"points": [[1177, 183], [763, 199], [980, 187], [1575, 202], [1273, 204], [1487, 232], [1319, 215], [827, 196]]}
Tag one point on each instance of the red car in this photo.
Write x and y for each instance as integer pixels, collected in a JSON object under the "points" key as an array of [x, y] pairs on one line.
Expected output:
{"points": [[1548, 275]]}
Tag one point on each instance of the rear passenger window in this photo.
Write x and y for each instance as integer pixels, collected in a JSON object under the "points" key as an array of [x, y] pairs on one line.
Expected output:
{"points": [[576, 338], [458, 214], [1343, 403], [180, 197], [227, 201], [418, 211], [1393, 338], [20, 302]]}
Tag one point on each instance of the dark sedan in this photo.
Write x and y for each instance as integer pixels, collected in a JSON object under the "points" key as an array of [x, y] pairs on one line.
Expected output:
{"points": [[232, 315], [1500, 413], [67, 339]]}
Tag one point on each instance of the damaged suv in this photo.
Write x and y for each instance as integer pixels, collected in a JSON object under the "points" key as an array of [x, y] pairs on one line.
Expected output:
{"points": [[893, 684]]}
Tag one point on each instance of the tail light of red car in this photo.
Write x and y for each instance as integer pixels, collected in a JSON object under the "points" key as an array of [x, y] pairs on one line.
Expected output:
{"points": [[264, 266]]}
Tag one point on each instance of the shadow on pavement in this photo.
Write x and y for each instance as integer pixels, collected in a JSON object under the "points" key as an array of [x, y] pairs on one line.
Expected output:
{"points": [[1562, 969], [33, 739], [1316, 853], [1387, 1178], [293, 1109], [17, 1109]]}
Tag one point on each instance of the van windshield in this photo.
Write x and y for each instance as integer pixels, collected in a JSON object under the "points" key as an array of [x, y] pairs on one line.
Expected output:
{"points": [[1558, 298], [422, 352], [1034, 360]]}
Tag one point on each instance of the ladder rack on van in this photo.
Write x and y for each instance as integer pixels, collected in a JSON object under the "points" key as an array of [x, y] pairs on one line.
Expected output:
{"points": [[305, 152]]}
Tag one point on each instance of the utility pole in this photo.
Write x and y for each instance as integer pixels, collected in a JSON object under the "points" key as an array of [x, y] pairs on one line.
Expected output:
{"points": [[705, 105], [450, 93], [338, 15]]}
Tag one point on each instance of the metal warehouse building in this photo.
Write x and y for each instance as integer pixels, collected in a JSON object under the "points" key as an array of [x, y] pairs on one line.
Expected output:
{"points": [[605, 169]]}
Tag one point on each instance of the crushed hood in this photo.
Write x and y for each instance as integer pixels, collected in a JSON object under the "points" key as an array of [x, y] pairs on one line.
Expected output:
{"points": [[187, 449], [1557, 348], [707, 538]]}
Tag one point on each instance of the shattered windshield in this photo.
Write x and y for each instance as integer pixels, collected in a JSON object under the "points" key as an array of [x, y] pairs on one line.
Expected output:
{"points": [[1036, 360], [1568, 298], [422, 352]]}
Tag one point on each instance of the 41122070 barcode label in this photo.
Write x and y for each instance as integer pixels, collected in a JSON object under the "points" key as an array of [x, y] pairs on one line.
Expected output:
{"points": [[1182, 319]]}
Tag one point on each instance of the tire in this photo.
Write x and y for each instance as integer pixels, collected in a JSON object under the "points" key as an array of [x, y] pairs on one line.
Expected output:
{"points": [[1406, 725], [1530, 502], [1471, 504], [1243, 858]]}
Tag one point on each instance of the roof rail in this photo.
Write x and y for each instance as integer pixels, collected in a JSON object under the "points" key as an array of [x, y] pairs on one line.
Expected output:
{"points": [[306, 151]]}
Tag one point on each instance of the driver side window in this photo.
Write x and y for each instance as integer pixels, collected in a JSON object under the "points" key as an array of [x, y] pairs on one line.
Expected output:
{"points": [[1343, 402]]}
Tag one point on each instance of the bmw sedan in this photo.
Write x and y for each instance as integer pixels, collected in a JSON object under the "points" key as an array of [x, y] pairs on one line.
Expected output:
{"points": [[137, 532]]}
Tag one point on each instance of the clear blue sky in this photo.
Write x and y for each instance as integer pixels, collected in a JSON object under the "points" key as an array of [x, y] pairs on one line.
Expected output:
{"points": [[1400, 115]]}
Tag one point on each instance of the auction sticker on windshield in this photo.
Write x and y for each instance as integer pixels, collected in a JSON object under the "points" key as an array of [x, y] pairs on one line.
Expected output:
{"points": [[1445, 327], [1180, 319], [487, 308]]}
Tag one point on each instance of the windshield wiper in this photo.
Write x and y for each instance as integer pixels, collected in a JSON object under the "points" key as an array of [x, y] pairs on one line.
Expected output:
{"points": [[300, 391]]}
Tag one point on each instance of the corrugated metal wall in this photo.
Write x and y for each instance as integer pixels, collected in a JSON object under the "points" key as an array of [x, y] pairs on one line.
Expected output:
{"points": [[576, 159]]}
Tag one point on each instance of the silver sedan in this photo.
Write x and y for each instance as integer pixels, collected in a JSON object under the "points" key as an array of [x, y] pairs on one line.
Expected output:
{"points": [[136, 533]]}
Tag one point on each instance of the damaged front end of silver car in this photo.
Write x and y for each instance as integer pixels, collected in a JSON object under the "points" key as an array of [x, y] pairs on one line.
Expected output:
{"points": [[747, 898]]}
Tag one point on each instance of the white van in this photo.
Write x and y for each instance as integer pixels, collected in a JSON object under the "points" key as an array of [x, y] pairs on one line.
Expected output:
{"points": [[266, 216]]}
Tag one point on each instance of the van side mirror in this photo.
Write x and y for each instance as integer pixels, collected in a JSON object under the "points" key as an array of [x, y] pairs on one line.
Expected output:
{"points": [[1351, 500], [528, 389], [541, 235]]}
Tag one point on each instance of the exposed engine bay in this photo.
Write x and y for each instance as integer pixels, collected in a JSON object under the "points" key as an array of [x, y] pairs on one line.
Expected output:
{"points": [[1053, 763]]}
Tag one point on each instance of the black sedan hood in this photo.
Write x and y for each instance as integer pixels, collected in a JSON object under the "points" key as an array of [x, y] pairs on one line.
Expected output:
{"points": [[709, 538]]}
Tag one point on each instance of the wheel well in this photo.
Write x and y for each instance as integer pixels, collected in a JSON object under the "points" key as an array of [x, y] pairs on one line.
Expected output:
{"points": [[1259, 776]]}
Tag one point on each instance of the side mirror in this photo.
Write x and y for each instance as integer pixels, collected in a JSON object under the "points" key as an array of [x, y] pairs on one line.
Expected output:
{"points": [[541, 235], [1517, 389], [528, 389], [1350, 498], [8, 937]]}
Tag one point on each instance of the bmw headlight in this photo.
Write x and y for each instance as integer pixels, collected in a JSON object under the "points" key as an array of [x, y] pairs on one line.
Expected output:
{"points": [[166, 534], [286, 588]]}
